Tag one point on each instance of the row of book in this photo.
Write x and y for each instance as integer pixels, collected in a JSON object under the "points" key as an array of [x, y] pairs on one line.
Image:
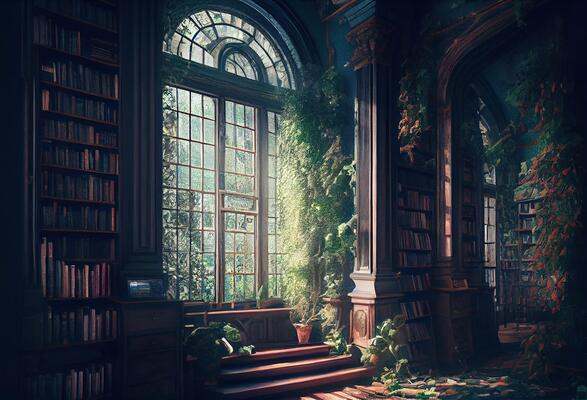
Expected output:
{"points": [[415, 309], [78, 132], [83, 324], [90, 218], [60, 280], [414, 240], [415, 282], [82, 383], [413, 219], [414, 199], [88, 10], [416, 179], [417, 331], [71, 247], [414, 259], [469, 227], [78, 76], [57, 101], [79, 158], [47, 32], [78, 187]]}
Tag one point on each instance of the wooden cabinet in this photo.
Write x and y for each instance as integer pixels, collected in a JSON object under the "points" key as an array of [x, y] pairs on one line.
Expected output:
{"points": [[150, 350]]}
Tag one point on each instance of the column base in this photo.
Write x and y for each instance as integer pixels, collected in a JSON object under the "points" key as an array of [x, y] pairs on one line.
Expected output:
{"points": [[367, 311]]}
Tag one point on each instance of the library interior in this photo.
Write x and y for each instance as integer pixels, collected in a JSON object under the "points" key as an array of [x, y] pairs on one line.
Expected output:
{"points": [[294, 199]]}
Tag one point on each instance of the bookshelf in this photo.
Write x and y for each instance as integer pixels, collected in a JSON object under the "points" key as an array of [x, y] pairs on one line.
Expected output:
{"points": [[75, 48], [415, 244], [469, 212], [519, 284]]}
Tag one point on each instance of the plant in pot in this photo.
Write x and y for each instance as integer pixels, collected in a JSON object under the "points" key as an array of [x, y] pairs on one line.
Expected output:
{"points": [[208, 344], [304, 314]]}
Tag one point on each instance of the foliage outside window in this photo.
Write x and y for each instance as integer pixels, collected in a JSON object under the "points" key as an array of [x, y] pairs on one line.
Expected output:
{"points": [[221, 225]]}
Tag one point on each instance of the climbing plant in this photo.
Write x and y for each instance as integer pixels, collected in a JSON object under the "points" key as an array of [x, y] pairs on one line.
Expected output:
{"points": [[542, 94], [315, 189], [413, 101]]}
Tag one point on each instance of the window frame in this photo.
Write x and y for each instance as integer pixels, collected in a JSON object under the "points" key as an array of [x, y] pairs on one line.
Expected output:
{"points": [[264, 97]]}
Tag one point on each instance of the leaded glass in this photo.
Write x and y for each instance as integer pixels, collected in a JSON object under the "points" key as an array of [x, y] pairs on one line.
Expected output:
{"points": [[274, 248], [189, 175], [204, 36], [239, 177]]}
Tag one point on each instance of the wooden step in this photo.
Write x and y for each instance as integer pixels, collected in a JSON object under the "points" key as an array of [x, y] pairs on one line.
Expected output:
{"points": [[276, 354], [303, 382], [285, 368]]}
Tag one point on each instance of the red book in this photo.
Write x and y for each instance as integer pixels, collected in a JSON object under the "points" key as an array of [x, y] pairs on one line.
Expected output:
{"points": [[92, 293]]}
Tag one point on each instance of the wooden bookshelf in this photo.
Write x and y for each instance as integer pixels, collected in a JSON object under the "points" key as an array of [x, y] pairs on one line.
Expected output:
{"points": [[75, 47], [416, 235], [518, 283]]}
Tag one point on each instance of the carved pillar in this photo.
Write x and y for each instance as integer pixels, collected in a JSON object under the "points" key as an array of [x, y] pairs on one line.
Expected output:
{"points": [[140, 134], [375, 296]]}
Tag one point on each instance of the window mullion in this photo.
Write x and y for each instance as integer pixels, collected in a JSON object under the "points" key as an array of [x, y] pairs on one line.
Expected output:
{"points": [[262, 179], [221, 140]]}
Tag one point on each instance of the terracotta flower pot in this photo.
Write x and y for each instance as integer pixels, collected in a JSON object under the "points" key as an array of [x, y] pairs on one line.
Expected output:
{"points": [[303, 331]]}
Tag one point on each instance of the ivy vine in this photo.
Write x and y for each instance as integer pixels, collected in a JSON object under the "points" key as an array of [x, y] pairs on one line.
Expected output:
{"points": [[315, 189]]}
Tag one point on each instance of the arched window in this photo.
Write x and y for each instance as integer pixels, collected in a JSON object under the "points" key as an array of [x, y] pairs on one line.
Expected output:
{"points": [[223, 73]]}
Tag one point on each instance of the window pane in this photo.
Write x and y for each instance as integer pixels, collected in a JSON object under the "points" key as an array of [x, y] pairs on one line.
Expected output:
{"points": [[239, 174], [189, 237], [275, 251], [239, 256], [204, 41]]}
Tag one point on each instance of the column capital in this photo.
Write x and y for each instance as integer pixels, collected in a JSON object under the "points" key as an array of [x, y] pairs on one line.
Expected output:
{"points": [[374, 42]]}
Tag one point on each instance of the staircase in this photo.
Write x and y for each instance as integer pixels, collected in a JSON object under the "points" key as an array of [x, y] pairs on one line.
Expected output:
{"points": [[295, 369]]}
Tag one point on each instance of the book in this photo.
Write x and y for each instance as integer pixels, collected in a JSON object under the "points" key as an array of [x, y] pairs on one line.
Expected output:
{"points": [[78, 76], [86, 382], [93, 12], [81, 106]]}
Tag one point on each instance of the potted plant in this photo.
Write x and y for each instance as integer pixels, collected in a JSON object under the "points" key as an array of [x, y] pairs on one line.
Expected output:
{"points": [[206, 345], [306, 311]]}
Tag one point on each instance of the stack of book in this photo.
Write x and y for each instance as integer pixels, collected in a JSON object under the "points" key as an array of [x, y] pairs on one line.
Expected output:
{"points": [[415, 282]]}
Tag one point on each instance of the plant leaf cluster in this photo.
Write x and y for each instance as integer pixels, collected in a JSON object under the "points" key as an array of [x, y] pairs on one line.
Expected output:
{"points": [[315, 194], [208, 344], [383, 352]]}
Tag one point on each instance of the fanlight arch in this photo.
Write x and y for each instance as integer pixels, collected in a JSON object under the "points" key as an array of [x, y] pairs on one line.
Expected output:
{"points": [[233, 44]]}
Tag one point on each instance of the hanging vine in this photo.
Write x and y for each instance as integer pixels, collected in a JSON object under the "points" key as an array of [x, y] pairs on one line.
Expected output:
{"points": [[315, 193], [542, 94]]}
